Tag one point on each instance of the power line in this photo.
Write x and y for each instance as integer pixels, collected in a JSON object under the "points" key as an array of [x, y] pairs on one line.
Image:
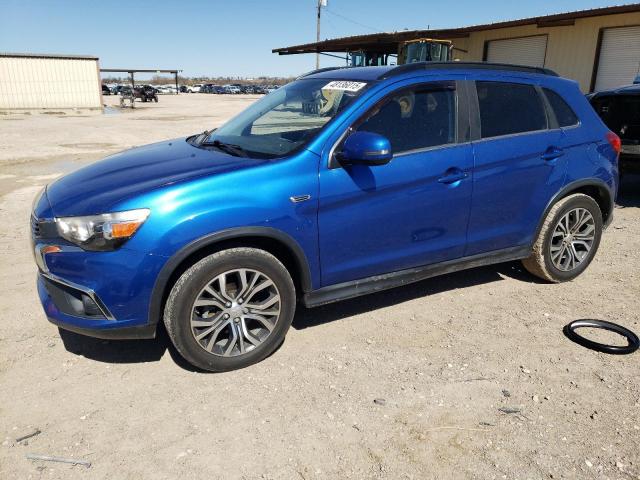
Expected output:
{"points": [[352, 21]]}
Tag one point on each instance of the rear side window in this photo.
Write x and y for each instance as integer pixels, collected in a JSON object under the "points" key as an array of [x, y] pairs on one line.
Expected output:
{"points": [[509, 108], [565, 116]]}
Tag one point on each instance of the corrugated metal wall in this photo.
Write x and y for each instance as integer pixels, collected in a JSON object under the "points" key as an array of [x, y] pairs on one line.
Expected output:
{"points": [[571, 49], [33, 83]]}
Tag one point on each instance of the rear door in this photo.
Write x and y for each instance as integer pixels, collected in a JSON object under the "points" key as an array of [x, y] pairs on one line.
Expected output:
{"points": [[519, 164], [412, 211]]}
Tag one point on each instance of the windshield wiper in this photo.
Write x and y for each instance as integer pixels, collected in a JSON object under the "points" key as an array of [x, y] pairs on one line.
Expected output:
{"points": [[235, 150]]}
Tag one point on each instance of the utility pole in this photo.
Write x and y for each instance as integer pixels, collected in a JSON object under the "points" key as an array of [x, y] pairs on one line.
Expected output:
{"points": [[321, 3]]}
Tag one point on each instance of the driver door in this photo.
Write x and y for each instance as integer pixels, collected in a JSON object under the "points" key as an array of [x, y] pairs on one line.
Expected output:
{"points": [[412, 211]]}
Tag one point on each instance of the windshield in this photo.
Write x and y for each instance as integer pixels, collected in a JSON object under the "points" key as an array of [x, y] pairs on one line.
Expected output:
{"points": [[286, 119]]}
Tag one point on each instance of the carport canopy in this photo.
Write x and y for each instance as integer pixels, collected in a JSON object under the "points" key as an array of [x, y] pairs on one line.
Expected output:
{"points": [[133, 71]]}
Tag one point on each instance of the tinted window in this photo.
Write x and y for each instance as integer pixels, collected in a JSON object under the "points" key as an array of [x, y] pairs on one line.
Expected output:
{"points": [[415, 118], [565, 116], [508, 108]]}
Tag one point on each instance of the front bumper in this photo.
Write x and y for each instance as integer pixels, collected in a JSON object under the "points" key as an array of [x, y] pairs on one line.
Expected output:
{"points": [[99, 294]]}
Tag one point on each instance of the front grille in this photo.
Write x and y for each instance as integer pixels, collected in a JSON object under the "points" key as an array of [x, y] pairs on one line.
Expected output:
{"points": [[42, 228], [35, 227]]}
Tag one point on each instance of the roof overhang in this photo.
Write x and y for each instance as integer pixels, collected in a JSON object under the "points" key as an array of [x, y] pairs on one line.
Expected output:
{"points": [[55, 56], [389, 42]]}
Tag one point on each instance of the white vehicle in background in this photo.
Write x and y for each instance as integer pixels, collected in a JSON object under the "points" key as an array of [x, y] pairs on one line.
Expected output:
{"points": [[196, 88], [167, 89], [231, 89]]}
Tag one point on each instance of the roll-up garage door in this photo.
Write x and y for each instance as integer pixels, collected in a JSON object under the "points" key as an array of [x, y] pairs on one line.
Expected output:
{"points": [[520, 51], [619, 59]]}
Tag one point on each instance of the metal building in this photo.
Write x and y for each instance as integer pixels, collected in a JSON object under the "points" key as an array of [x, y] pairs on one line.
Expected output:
{"points": [[600, 48], [33, 81]]}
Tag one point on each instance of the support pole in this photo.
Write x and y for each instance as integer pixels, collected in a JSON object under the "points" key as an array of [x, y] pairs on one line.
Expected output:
{"points": [[318, 33], [177, 89]]}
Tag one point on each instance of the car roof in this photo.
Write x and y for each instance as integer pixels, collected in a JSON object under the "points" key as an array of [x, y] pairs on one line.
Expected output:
{"points": [[624, 90]]}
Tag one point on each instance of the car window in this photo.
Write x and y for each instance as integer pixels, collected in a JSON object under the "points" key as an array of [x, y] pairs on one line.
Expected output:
{"points": [[565, 116], [509, 108], [414, 118], [288, 118]]}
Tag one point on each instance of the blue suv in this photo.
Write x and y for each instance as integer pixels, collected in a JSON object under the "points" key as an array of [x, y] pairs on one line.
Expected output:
{"points": [[342, 183]]}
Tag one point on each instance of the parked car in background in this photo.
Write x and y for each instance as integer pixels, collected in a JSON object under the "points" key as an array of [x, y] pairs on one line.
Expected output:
{"points": [[105, 90], [393, 176], [185, 89], [146, 93], [196, 88], [619, 109], [167, 89], [232, 89]]}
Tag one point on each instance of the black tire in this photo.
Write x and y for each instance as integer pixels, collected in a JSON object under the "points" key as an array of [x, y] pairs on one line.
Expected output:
{"points": [[179, 305], [632, 339], [540, 263]]}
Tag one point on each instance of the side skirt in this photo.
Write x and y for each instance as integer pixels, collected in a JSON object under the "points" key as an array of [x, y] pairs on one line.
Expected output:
{"points": [[377, 283]]}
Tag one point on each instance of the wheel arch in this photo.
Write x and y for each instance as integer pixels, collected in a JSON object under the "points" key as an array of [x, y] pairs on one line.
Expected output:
{"points": [[276, 242], [594, 188]]}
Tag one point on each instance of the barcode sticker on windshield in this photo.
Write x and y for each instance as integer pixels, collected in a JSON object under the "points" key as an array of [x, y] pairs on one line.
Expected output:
{"points": [[344, 85]]}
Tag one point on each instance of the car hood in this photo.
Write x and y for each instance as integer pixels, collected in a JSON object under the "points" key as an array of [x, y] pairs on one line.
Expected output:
{"points": [[100, 186]]}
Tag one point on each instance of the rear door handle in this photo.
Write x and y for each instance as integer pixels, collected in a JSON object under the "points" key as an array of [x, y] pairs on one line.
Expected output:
{"points": [[452, 175], [552, 153]]}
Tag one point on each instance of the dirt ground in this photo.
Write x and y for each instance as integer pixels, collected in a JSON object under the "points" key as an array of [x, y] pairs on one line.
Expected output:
{"points": [[405, 384]]}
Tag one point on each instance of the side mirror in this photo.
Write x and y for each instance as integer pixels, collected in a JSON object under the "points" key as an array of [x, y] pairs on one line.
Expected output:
{"points": [[365, 148]]}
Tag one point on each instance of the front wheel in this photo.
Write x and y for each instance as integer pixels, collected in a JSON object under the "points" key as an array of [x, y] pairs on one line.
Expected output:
{"points": [[568, 239], [231, 309]]}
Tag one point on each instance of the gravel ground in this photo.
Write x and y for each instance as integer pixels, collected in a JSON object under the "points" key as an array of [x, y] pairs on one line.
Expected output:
{"points": [[410, 383]]}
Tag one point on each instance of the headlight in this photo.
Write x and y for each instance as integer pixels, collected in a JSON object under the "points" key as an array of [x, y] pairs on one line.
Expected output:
{"points": [[101, 232]]}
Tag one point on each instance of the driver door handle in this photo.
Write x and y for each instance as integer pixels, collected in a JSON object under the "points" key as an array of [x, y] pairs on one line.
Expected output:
{"points": [[452, 175]]}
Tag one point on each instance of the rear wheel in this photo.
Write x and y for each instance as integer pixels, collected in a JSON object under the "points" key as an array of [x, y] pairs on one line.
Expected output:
{"points": [[568, 239], [231, 309]]}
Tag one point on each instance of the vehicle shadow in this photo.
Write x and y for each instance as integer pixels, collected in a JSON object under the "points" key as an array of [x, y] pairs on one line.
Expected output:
{"points": [[143, 351], [123, 351], [629, 192], [306, 318]]}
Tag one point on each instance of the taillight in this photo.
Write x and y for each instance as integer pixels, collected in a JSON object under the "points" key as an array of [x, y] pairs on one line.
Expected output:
{"points": [[614, 141]]}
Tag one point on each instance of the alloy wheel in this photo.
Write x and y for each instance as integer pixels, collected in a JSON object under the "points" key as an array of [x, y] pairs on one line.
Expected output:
{"points": [[235, 312], [572, 239]]}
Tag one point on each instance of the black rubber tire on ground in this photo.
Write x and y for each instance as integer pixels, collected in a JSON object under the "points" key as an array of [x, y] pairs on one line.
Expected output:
{"points": [[539, 263], [177, 311], [633, 343]]}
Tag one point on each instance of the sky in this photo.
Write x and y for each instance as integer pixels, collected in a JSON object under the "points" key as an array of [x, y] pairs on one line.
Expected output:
{"points": [[233, 38]]}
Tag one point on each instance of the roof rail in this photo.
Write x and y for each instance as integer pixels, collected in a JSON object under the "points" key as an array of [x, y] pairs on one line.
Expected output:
{"points": [[319, 70], [410, 67]]}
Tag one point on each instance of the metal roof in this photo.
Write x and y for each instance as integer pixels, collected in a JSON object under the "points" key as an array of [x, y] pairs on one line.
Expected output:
{"points": [[388, 42], [48, 55]]}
